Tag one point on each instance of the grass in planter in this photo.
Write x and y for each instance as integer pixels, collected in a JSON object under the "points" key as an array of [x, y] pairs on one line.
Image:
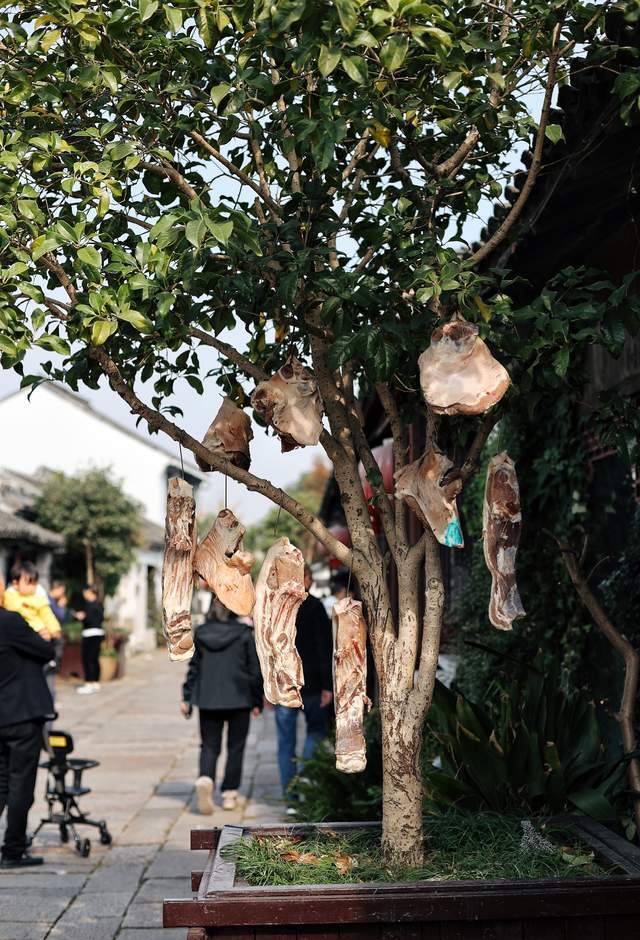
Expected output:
{"points": [[460, 846]]}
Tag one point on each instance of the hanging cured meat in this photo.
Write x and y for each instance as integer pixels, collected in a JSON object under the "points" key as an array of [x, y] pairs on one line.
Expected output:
{"points": [[290, 402], [177, 568], [279, 593], [458, 374], [501, 521], [419, 485], [228, 435], [222, 563], [350, 684]]}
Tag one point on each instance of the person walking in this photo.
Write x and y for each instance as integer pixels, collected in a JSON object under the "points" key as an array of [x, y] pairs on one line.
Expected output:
{"points": [[314, 642], [25, 704], [92, 617], [225, 683]]}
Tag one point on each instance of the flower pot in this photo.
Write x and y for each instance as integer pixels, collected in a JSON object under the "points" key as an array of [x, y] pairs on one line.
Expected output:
{"points": [[108, 668], [599, 908]]}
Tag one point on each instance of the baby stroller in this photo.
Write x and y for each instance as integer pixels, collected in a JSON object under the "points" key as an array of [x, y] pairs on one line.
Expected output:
{"points": [[64, 795]]}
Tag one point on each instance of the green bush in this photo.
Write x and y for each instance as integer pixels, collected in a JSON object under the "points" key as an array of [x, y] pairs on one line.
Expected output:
{"points": [[529, 749], [532, 749]]}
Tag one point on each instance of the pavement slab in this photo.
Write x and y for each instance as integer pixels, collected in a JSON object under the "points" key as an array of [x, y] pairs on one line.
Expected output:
{"points": [[144, 789]]}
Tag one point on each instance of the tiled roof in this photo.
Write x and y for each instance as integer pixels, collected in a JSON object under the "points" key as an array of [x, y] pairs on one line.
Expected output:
{"points": [[13, 527]]}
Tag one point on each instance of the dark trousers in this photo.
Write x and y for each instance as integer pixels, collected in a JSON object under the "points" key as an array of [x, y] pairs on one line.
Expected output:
{"points": [[317, 721], [20, 747], [91, 657], [211, 725]]}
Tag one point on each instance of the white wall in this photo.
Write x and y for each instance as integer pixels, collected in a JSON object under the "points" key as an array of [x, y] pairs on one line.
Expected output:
{"points": [[56, 430]]}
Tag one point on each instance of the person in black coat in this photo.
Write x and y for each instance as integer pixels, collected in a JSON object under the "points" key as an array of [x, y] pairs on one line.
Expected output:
{"points": [[25, 703], [314, 642], [225, 682]]}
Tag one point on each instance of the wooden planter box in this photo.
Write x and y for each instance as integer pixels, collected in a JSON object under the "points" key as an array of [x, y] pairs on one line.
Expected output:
{"points": [[590, 908], [71, 665]]}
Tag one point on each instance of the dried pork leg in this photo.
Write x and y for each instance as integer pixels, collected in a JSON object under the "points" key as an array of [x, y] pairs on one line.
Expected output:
{"points": [[290, 402], [228, 435], [419, 485], [350, 684], [177, 569], [279, 593], [222, 563], [501, 522], [458, 374]]}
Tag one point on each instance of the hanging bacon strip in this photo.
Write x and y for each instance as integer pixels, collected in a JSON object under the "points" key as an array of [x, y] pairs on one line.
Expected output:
{"points": [[222, 563], [501, 523], [177, 569], [350, 684]]}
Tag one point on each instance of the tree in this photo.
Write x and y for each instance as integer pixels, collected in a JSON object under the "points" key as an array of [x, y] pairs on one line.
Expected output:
{"points": [[97, 520], [306, 169]]}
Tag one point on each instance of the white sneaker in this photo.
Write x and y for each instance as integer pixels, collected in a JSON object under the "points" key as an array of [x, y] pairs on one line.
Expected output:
{"points": [[204, 795], [229, 799], [96, 686], [86, 689]]}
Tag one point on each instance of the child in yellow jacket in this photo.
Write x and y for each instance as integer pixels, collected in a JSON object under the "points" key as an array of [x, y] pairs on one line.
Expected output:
{"points": [[24, 598]]}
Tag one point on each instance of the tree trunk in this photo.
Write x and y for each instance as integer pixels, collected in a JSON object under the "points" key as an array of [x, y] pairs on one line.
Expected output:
{"points": [[402, 789], [89, 564]]}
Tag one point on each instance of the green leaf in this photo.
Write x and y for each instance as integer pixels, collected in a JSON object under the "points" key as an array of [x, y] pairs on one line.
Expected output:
{"points": [[195, 382], [356, 68], [593, 804], [174, 18], [440, 36], [42, 245], [55, 343], [120, 150], [146, 9], [554, 132], [32, 291], [221, 231], [561, 361], [348, 14], [328, 59], [90, 256], [195, 232], [102, 330], [7, 346], [137, 320], [218, 92], [451, 80], [50, 38], [394, 52]]}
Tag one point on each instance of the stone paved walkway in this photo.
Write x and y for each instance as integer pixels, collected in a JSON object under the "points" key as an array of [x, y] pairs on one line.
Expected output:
{"points": [[144, 789]]}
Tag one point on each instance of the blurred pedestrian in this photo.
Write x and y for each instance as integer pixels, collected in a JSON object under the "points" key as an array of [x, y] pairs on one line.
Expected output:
{"points": [[25, 704], [225, 683], [92, 617], [314, 643], [339, 586]]}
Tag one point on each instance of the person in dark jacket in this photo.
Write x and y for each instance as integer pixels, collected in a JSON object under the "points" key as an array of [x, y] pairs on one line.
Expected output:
{"points": [[314, 642], [225, 682], [25, 703]]}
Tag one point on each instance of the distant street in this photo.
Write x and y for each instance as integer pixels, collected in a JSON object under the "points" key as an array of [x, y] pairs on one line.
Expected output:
{"points": [[144, 789]]}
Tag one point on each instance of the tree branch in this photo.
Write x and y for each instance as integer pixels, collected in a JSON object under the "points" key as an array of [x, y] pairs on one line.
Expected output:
{"points": [[157, 421], [432, 623], [231, 353], [237, 172], [514, 214], [626, 713], [399, 457], [449, 167], [169, 172]]}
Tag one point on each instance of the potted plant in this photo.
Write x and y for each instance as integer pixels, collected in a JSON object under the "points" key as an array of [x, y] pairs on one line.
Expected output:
{"points": [[360, 141]]}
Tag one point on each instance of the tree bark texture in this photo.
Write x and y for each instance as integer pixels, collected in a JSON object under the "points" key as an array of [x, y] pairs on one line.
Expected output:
{"points": [[402, 788]]}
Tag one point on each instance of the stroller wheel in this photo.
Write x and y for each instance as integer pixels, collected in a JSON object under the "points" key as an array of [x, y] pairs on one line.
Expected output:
{"points": [[105, 837], [64, 833], [83, 847]]}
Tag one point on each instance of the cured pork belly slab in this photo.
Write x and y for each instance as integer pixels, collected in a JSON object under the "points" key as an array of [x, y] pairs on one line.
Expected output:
{"points": [[228, 435], [290, 402], [350, 684], [435, 505], [222, 563], [501, 523], [177, 569], [279, 593], [458, 374]]}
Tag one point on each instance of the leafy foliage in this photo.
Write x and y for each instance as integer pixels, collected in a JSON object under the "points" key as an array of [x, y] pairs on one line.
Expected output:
{"points": [[534, 750], [92, 509]]}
